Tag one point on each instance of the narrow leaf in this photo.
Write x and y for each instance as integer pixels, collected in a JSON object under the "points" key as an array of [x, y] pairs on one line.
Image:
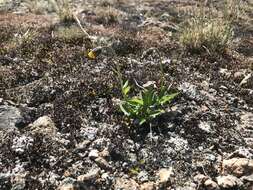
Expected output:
{"points": [[124, 110], [136, 101], [167, 98]]}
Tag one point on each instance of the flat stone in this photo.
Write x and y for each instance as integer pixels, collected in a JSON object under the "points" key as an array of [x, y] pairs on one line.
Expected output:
{"points": [[142, 176], [248, 178], [165, 175], [105, 153], [69, 184], [205, 127], [200, 178], [93, 154], [101, 162], [43, 125], [93, 174], [238, 166], [211, 185], [125, 184], [229, 182], [147, 186], [247, 82], [10, 117]]}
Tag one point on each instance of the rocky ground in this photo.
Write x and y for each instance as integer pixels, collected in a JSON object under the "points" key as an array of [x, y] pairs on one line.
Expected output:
{"points": [[60, 124]]}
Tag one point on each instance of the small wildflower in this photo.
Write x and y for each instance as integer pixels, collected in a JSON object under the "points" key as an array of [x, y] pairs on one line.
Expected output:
{"points": [[93, 53]]}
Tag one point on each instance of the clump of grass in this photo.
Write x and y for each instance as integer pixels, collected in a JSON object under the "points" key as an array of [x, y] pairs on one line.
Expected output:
{"points": [[38, 6], [210, 28], [61, 7], [63, 10], [108, 15], [233, 10], [5, 5], [206, 34], [69, 34]]}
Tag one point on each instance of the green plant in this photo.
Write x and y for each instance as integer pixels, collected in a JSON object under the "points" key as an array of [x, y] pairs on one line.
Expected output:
{"points": [[147, 105]]}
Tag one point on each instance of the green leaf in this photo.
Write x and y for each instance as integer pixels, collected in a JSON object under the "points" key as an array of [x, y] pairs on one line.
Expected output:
{"points": [[124, 110], [156, 113], [147, 96], [135, 101], [126, 88], [167, 98], [143, 120], [125, 84]]}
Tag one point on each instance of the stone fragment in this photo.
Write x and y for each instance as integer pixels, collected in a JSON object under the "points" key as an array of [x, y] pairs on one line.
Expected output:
{"points": [[105, 153], [125, 184], [10, 117], [93, 154], [93, 174], [229, 182], [247, 82], [211, 185], [165, 175], [69, 184], [147, 186], [238, 166], [205, 127], [101, 162], [43, 125], [200, 178]]}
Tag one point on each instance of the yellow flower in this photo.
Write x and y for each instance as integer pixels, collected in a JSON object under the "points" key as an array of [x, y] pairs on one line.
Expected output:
{"points": [[92, 54]]}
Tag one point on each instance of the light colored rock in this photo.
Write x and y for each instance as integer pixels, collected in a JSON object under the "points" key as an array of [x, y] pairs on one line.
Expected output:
{"points": [[247, 82], [225, 72], [229, 182], [10, 117], [93, 174], [147, 186], [238, 166], [101, 162], [142, 176], [104, 153], [247, 120], [200, 178], [205, 127], [239, 75], [43, 125], [67, 187], [93, 154], [82, 145], [18, 182], [125, 184], [165, 175], [69, 184], [211, 185], [242, 153], [188, 186], [248, 178]]}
